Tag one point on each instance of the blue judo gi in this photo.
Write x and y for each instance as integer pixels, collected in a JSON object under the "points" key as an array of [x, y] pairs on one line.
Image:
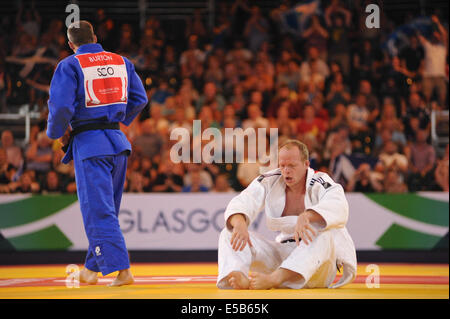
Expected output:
{"points": [[95, 86]]}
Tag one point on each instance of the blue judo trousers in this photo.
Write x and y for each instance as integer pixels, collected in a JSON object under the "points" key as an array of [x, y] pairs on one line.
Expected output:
{"points": [[96, 86]]}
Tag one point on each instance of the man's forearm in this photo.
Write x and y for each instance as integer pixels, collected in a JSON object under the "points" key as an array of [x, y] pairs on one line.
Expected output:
{"points": [[236, 219], [315, 217]]}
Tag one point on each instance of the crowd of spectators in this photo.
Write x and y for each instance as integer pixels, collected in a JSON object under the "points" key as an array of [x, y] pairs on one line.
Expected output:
{"points": [[363, 113]]}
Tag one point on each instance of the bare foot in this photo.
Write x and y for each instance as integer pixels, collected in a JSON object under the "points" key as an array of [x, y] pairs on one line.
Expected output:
{"points": [[261, 281], [123, 278], [238, 280], [87, 276]]}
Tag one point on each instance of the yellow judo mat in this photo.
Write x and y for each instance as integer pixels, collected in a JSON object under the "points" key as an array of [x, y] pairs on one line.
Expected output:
{"points": [[197, 281]]}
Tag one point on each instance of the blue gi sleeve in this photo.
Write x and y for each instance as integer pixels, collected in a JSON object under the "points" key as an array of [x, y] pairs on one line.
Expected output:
{"points": [[137, 97], [61, 104]]}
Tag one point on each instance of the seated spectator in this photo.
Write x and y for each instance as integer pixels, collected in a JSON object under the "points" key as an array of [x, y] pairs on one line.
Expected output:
{"points": [[195, 184], [338, 142], [135, 182], [5, 172], [167, 180], [192, 57], [222, 185], [339, 91], [390, 158], [149, 143], [339, 117], [312, 125], [363, 182], [211, 97], [39, 155], [393, 182], [372, 103], [205, 176], [313, 65], [52, 184], [282, 95], [255, 118], [389, 121], [13, 152], [358, 115], [441, 171], [421, 157], [26, 184]]}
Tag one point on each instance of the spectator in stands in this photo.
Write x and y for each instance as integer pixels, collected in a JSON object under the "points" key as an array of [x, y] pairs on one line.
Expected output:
{"points": [[5, 172], [339, 92], [256, 29], [411, 57], [135, 182], [416, 116], [13, 152], [390, 158], [390, 122], [314, 64], [26, 184], [191, 58], [149, 143], [338, 142], [39, 156], [441, 171], [195, 185], [358, 115], [363, 182], [338, 21], [195, 26], [52, 184], [421, 157], [393, 182], [167, 180], [210, 97], [255, 118], [311, 124], [435, 62], [338, 117], [221, 184], [316, 36]]}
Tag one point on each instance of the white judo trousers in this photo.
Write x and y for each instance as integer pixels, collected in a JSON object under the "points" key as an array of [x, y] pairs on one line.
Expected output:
{"points": [[316, 262]]}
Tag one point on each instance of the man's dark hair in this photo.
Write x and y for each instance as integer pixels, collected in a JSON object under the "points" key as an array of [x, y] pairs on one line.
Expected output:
{"points": [[80, 33]]}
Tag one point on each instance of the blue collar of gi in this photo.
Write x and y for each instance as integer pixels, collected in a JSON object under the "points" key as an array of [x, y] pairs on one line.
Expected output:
{"points": [[90, 48]]}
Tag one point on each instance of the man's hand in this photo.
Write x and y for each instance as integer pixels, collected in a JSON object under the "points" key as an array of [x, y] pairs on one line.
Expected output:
{"points": [[303, 228], [240, 236], [65, 138]]}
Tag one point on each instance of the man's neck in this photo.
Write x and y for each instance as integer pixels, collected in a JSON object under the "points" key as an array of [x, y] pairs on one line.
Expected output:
{"points": [[299, 188]]}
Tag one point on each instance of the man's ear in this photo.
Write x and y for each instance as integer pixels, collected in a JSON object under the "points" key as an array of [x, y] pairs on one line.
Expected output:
{"points": [[71, 45], [95, 39]]}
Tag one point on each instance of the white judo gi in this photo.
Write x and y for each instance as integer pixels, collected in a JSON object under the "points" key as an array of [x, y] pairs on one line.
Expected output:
{"points": [[318, 262]]}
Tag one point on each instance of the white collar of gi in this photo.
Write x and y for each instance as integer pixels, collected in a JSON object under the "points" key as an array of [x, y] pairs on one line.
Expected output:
{"points": [[309, 175]]}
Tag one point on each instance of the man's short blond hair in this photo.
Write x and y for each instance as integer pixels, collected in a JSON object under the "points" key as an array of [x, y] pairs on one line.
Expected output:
{"points": [[304, 153]]}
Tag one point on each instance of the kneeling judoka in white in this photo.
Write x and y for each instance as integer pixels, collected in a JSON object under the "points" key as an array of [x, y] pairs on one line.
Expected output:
{"points": [[308, 209]]}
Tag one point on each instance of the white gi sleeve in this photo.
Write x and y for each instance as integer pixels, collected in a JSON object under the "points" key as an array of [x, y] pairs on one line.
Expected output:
{"points": [[250, 202], [331, 202]]}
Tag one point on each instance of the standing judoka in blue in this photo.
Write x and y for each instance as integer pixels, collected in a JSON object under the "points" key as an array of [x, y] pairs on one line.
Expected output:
{"points": [[93, 90]]}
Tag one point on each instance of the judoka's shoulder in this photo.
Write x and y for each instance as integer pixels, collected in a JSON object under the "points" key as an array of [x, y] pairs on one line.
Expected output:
{"points": [[322, 178], [270, 175], [68, 62]]}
